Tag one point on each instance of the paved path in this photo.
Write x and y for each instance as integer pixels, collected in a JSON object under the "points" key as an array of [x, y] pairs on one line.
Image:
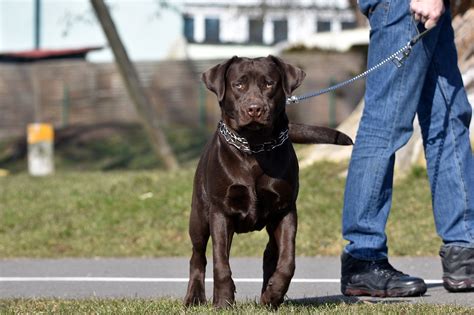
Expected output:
{"points": [[316, 279]]}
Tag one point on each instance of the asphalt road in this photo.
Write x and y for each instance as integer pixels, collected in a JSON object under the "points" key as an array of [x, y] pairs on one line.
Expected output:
{"points": [[316, 279]]}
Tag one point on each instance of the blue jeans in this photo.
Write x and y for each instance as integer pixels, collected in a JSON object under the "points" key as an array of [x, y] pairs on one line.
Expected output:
{"points": [[428, 84]]}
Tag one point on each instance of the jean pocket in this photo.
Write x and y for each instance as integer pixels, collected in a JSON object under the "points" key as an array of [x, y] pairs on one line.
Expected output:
{"points": [[378, 15]]}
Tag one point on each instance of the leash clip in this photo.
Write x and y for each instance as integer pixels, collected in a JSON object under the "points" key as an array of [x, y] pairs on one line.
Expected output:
{"points": [[399, 59], [292, 100]]}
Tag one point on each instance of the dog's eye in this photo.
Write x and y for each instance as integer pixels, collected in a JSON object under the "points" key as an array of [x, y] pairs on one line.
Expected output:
{"points": [[239, 86], [268, 85]]}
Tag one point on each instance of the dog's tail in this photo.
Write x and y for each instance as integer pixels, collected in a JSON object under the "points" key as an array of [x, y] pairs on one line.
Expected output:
{"points": [[307, 134]]}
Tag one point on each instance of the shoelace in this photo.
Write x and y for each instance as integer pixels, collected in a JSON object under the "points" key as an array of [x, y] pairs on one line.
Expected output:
{"points": [[386, 269]]}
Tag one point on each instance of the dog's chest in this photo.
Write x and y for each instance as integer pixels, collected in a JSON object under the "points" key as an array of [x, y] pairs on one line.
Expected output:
{"points": [[252, 206], [274, 194]]}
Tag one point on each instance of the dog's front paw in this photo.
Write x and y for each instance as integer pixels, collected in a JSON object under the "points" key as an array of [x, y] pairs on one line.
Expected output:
{"points": [[223, 301], [224, 294], [191, 300], [273, 295], [195, 296], [271, 298]]}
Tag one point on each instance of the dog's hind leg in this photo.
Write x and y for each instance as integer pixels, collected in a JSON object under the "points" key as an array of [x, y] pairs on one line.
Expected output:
{"points": [[199, 233], [277, 286]]}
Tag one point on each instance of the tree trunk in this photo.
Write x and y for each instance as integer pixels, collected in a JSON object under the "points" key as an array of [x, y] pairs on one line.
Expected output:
{"points": [[134, 88], [361, 20]]}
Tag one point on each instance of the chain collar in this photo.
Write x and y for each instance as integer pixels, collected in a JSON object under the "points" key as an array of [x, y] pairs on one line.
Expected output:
{"points": [[242, 144]]}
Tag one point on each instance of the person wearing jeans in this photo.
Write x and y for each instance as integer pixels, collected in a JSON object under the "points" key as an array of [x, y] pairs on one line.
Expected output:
{"points": [[428, 85]]}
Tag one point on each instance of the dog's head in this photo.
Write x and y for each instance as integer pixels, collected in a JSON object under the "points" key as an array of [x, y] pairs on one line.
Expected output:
{"points": [[252, 93]]}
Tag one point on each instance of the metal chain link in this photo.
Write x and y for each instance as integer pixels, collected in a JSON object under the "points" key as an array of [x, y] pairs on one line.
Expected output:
{"points": [[242, 144], [397, 57]]}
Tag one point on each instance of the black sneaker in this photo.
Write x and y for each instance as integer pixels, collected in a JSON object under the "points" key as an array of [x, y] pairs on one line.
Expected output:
{"points": [[458, 268], [377, 278]]}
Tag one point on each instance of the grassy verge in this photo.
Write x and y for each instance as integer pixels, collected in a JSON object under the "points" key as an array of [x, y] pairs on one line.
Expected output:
{"points": [[168, 306], [145, 213], [107, 147]]}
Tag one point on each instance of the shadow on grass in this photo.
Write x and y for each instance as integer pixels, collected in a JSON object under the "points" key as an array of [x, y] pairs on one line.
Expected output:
{"points": [[329, 299], [342, 299]]}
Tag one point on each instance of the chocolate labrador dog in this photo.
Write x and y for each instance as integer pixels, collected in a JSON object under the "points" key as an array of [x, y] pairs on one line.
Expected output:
{"points": [[247, 177]]}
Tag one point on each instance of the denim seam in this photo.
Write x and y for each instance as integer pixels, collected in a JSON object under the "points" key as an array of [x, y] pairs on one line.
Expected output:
{"points": [[387, 11], [439, 154], [456, 155], [463, 183], [378, 178], [401, 86]]}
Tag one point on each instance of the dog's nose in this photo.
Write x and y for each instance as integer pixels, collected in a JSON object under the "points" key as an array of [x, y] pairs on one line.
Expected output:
{"points": [[254, 110]]}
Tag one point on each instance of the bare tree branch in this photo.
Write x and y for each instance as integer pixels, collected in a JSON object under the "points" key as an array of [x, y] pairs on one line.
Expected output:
{"points": [[134, 88]]}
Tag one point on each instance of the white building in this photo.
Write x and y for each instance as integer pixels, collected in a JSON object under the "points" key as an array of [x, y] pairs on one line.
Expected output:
{"points": [[200, 29], [254, 27]]}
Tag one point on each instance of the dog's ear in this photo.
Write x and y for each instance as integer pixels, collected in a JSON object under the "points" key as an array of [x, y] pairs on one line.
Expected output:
{"points": [[291, 76], [214, 78]]}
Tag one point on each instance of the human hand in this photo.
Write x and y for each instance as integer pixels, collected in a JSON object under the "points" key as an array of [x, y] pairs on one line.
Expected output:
{"points": [[427, 11]]}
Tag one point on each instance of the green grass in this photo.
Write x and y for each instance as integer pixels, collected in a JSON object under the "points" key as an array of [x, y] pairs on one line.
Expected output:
{"points": [[169, 306], [145, 214]]}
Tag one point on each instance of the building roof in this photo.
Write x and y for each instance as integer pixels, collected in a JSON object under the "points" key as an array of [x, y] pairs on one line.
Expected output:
{"points": [[46, 54], [338, 41]]}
